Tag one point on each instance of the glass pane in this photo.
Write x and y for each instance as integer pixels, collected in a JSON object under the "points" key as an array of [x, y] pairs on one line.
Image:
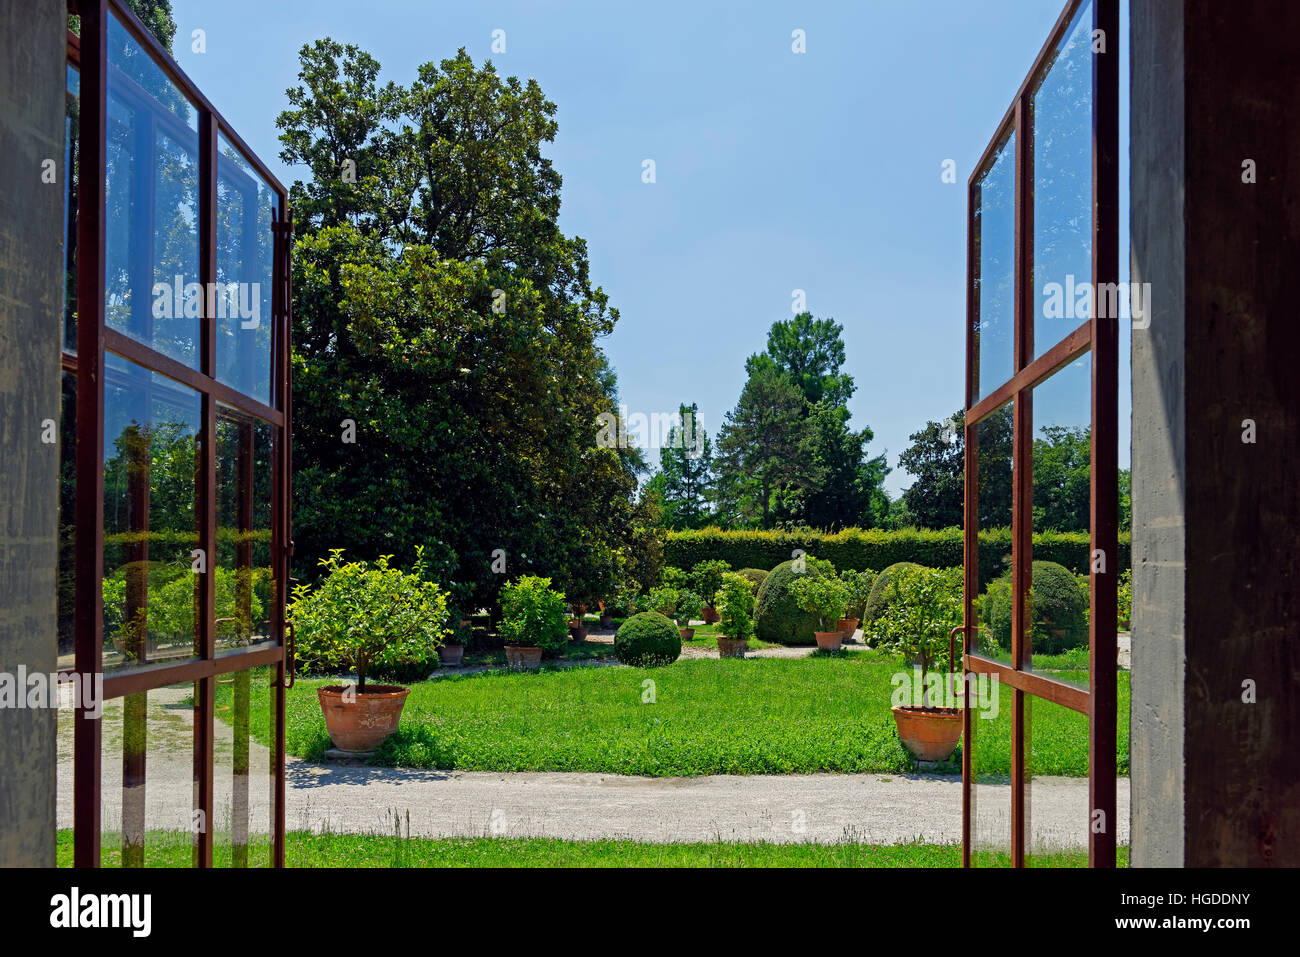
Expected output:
{"points": [[1062, 491], [991, 785], [246, 207], [244, 770], [151, 436], [246, 591], [1056, 791], [148, 792], [70, 134], [1061, 144], [994, 435], [151, 248], [994, 210]]}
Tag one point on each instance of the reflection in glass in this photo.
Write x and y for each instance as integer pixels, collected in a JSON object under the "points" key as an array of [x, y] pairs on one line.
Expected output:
{"points": [[147, 791], [994, 436], [151, 429], [994, 211], [246, 207], [244, 770], [1062, 501], [245, 587], [71, 129], [1061, 145], [151, 250]]}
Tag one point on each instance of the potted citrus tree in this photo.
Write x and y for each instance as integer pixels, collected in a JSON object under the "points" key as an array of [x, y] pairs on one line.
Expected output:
{"points": [[827, 597], [735, 604], [359, 616], [706, 580], [859, 586], [926, 605], [532, 621], [689, 606], [452, 652]]}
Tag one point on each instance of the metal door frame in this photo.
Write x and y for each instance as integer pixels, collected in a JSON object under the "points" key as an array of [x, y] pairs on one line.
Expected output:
{"points": [[88, 54], [1100, 336]]}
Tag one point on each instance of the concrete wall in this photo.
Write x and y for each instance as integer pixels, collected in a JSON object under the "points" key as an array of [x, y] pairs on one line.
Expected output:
{"points": [[32, 69], [1159, 474], [1216, 628]]}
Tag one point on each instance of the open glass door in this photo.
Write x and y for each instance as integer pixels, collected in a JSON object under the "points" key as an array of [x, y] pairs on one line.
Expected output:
{"points": [[1041, 385], [175, 470]]}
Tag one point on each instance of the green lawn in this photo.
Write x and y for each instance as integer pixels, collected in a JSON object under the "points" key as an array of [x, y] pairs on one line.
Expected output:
{"points": [[303, 849], [708, 716]]}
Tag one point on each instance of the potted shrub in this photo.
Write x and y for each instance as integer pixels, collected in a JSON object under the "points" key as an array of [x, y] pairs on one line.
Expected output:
{"points": [[663, 600], [532, 621], [577, 626], [827, 597], [859, 585], [452, 652], [706, 580], [689, 606], [735, 604], [926, 603], [606, 615], [359, 616]]}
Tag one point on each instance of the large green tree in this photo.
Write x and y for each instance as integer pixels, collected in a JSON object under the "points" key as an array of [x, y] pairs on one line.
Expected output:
{"points": [[685, 480], [766, 447], [447, 376], [811, 354], [936, 458]]}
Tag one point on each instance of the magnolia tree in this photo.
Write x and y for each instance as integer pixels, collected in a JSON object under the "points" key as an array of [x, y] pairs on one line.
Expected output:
{"points": [[363, 614]]}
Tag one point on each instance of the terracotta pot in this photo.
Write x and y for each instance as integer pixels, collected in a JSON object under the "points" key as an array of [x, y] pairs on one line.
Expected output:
{"points": [[451, 655], [847, 626], [688, 634], [829, 640], [364, 720], [710, 615], [931, 734], [523, 657], [606, 621], [732, 647], [576, 631]]}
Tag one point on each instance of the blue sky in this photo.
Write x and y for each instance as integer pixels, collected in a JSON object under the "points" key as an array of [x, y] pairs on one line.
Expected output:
{"points": [[775, 171]]}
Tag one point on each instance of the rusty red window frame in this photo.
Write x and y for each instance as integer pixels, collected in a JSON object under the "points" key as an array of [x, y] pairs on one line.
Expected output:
{"points": [[1100, 336], [88, 54]]}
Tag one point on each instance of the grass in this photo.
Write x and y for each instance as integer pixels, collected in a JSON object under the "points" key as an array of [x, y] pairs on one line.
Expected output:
{"points": [[303, 849], [703, 716]]}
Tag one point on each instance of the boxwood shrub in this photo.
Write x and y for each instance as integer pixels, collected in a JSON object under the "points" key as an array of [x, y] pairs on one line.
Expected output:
{"points": [[648, 640], [1059, 619], [756, 577], [777, 616]]}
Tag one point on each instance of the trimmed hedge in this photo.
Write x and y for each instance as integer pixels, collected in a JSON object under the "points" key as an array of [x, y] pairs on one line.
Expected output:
{"points": [[859, 548], [648, 640]]}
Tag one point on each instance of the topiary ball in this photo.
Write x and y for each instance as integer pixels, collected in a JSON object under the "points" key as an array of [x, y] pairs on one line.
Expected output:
{"points": [[648, 640], [1059, 609], [777, 617], [756, 577], [882, 591]]}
